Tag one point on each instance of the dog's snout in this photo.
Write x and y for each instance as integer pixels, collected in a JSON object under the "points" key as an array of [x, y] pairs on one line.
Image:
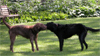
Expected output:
{"points": [[45, 27]]}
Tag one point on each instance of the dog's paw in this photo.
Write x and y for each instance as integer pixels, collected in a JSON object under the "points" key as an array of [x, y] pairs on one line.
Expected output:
{"points": [[33, 50], [37, 49]]}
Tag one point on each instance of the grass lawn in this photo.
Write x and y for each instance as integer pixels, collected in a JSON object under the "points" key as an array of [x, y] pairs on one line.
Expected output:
{"points": [[48, 42]]}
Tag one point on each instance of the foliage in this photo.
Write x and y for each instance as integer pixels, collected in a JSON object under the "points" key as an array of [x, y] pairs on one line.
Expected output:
{"points": [[58, 9], [98, 10], [41, 16], [82, 12]]}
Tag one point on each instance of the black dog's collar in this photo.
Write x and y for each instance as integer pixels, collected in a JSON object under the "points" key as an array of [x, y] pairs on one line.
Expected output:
{"points": [[57, 25]]}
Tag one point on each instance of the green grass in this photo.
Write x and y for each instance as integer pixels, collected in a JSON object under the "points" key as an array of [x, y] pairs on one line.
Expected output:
{"points": [[48, 42]]}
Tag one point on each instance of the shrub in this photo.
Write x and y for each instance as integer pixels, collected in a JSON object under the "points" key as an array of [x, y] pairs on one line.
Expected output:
{"points": [[29, 19], [58, 9], [55, 16], [98, 10], [34, 18], [82, 12], [63, 16]]}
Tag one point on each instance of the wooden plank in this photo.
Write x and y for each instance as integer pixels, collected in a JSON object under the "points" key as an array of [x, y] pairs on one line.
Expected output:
{"points": [[4, 12], [1, 16], [9, 15], [13, 15], [0, 11], [4, 8]]}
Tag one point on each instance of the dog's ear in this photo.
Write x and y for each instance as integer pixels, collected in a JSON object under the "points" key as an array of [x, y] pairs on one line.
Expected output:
{"points": [[38, 27], [66, 25], [54, 28], [35, 28]]}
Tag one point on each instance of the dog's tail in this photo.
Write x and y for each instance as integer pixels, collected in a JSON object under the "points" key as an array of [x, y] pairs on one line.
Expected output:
{"points": [[6, 23], [93, 30]]}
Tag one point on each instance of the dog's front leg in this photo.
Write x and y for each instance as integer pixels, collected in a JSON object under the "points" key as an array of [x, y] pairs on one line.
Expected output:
{"points": [[61, 43], [36, 42], [31, 40]]}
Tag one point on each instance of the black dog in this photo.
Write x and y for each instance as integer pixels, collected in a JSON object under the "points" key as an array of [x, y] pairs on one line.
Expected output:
{"points": [[66, 31]]}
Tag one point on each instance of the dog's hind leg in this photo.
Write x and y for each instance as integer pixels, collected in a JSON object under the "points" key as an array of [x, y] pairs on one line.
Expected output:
{"points": [[84, 35], [86, 45], [12, 39], [82, 40], [36, 42]]}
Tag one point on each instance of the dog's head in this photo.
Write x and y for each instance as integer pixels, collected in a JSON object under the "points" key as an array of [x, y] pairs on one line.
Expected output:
{"points": [[52, 26], [39, 26]]}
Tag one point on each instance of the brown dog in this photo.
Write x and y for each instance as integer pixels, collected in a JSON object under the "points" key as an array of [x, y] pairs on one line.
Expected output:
{"points": [[29, 32]]}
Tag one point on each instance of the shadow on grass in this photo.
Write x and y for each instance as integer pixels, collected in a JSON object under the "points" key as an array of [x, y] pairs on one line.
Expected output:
{"points": [[53, 52]]}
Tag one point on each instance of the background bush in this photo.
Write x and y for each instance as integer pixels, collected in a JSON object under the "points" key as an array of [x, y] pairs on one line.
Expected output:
{"points": [[57, 10]]}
